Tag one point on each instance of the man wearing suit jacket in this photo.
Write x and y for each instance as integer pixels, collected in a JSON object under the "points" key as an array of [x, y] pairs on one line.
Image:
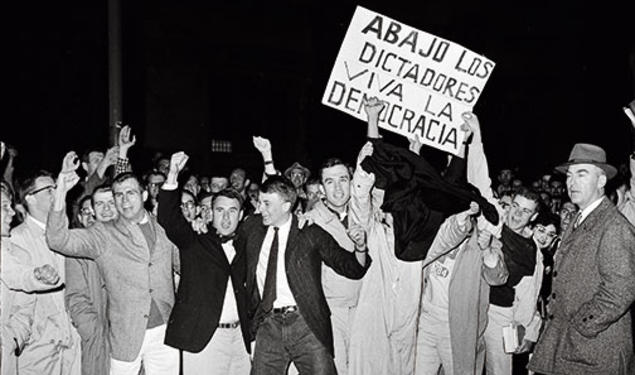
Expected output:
{"points": [[588, 329], [136, 259], [290, 316], [209, 319]]}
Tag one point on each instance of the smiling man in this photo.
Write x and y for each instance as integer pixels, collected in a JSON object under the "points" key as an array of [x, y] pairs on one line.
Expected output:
{"points": [[136, 259], [290, 318], [332, 214], [588, 328], [514, 303]]}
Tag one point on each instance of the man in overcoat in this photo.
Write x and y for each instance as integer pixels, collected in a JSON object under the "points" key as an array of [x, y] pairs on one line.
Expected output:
{"points": [[588, 330]]}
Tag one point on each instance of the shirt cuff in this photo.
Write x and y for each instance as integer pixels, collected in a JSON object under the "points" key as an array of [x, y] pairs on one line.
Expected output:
{"points": [[169, 187]]}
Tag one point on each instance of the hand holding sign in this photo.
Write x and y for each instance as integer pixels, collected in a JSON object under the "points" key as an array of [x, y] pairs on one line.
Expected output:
{"points": [[373, 107]]}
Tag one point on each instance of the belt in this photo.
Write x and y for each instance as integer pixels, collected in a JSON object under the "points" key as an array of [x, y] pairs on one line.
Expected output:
{"points": [[229, 325], [284, 309]]}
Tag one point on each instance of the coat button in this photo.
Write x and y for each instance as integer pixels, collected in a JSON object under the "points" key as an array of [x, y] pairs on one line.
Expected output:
{"points": [[553, 295], [590, 316], [550, 317], [555, 273]]}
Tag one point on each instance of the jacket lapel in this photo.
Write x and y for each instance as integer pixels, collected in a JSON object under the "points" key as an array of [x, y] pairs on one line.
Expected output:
{"points": [[294, 234], [590, 222]]}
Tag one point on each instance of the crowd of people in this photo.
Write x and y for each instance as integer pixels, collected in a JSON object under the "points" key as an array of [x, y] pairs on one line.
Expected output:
{"points": [[384, 266]]}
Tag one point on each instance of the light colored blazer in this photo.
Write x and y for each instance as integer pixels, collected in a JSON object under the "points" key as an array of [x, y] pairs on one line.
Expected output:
{"points": [[588, 330], [133, 276]]}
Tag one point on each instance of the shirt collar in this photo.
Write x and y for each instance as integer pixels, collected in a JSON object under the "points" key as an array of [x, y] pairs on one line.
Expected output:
{"points": [[587, 211], [145, 219], [285, 226], [40, 224]]}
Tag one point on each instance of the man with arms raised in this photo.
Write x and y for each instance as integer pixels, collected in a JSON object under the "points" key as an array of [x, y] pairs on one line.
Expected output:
{"points": [[209, 319], [136, 260]]}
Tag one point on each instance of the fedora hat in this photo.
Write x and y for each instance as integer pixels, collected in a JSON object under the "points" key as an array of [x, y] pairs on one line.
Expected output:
{"points": [[300, 167], [585, 153]]}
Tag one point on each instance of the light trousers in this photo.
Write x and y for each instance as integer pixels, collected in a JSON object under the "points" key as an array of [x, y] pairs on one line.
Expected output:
{"points": [[157, 358], [225, 354], [497, 362], [434, 347]]}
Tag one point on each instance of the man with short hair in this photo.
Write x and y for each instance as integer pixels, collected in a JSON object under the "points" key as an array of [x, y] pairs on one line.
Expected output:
{"points": [[154, 181], [588, 328], [136, 260], [56, 347], [189, 206], [567, 213], [19, 283], [86, 295], [238, 180], [209, 320], [218, 183], [290, 315], [332, 214], [515, 302]]}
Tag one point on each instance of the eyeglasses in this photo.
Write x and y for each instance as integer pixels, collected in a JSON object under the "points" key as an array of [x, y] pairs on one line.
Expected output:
{"points": [[187, 205], [86, 212], [50, 189]]}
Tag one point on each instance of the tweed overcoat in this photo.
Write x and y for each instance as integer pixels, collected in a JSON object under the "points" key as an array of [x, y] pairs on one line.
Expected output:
{"points": [[588, 330]]}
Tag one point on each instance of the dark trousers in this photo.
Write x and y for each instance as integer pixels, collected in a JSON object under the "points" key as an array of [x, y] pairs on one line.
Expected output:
{"points": [[283, 338]]}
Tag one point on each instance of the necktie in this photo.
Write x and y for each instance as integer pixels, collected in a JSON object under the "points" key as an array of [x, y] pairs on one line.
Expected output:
{"points": [[578, 220], [269, 290]]}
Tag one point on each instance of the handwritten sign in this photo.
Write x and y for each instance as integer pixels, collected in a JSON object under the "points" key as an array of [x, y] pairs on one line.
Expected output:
{"points": [[427, 81]]}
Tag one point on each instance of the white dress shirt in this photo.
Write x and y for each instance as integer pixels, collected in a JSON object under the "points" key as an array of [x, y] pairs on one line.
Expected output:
{"points": [[284, 297], [229, 314], [587, 211]]}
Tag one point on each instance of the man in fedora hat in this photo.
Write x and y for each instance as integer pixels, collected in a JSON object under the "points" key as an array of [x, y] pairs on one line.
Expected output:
{"points": [[587, 329]]}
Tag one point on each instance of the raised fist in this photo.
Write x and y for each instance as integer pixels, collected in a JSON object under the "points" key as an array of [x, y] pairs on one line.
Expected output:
{"points": [[70, 163], [373, 107], [46, 274], [178, 161], [262, 144]]}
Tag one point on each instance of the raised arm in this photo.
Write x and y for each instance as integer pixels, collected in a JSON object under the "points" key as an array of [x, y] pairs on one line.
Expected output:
{"points": [[170, 216], [125, 141], [76, 242], [264, 147]]}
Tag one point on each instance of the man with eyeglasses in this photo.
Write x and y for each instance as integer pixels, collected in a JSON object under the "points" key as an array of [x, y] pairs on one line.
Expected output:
{"points": [[567, 213], [85, 288], [55, 349], [189, 207], [513, 304], [154, 181]]}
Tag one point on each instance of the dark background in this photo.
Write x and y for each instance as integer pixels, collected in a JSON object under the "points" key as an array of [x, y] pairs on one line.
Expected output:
{"points": [[194, 71]]}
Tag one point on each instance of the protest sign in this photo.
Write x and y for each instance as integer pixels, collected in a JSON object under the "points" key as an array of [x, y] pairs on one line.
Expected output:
{"points": [[427, 81]]}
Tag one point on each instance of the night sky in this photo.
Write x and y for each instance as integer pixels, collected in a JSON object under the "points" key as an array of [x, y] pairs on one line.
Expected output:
{"points": [[226, 70]]}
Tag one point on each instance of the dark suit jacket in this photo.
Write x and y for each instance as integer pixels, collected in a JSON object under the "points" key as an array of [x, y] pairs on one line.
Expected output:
{"points": [[306, 249], [588, 330], [205, 272]]}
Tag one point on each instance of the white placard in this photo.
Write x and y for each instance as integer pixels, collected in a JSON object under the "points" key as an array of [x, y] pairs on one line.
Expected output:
{"points": [[427, 81]]}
